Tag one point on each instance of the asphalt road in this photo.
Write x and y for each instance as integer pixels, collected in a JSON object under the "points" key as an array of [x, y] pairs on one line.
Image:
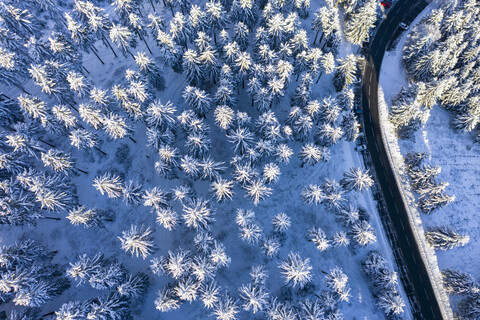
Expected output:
{"points": [[402, 11]]}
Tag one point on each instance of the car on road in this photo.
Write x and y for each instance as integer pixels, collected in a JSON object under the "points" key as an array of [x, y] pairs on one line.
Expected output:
{"points": [[403, 25], [386, 4]]}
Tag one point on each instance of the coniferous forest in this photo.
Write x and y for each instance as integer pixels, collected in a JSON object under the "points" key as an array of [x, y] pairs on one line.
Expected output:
{"points": [[182, 159]]}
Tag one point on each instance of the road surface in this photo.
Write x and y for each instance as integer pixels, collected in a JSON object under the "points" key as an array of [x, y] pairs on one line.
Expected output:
{"points": [[403, 11]]}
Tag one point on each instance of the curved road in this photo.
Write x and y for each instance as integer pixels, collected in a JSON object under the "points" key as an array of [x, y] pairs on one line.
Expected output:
{"points": [[403, 11]]}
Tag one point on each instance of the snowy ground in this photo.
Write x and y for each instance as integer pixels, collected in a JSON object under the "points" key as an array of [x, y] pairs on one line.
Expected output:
{"points": [[138, 164], [457, 155]]}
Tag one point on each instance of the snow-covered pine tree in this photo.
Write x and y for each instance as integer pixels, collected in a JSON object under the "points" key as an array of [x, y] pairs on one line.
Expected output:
{"points": [[345, 72], [222, 189], [166, 300], [123, 38], [156, 198], [280, 310], [116, 127], [226, 307], [78, 83], [187, 289], [133, 286], [424, 175], [281, 222], [112, 306], [356, 179], [310, 154], [254, 297], [138, 241], [351, 127], [303, 8], [357, 29], [311, 310], [444, 238], [110, 184], [391, 302], [198, 99], [242, 139], [192, 66], [336, 280], [197, 144], [340, 239], [271, 246], [374, 263], [243, 62], [72, 310], [362, 233], [312, 194], [326, 21], [256, 190], [244, 11], [88, 218], [198, 213], [150, 70], [302, 127], [251, 233], [457, 282], [59, 161], [319, 238], [348, 215], [296, 270], [240, 35]]}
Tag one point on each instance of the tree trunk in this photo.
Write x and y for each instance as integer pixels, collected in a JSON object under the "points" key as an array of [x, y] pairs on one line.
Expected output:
{"points": [[298, 76], [73, 107], [314, 40], [214, 37], [48, 144], [131, 139], [131, 54], [140, 12], [51, 218], [319, 77], [3, 94], [321, 38], [96, 54], [109, 45], [153, 7], [21, 88], [252, 101], [82, 171], [100, 150], [86, 70], [144, 41]]}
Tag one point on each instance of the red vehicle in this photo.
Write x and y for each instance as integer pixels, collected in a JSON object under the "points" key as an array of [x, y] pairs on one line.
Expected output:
{"points": [[386, 4]]}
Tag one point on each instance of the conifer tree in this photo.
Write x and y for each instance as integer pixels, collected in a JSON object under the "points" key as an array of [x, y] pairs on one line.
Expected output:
{"points": [[444, 239], [357, 29]]}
